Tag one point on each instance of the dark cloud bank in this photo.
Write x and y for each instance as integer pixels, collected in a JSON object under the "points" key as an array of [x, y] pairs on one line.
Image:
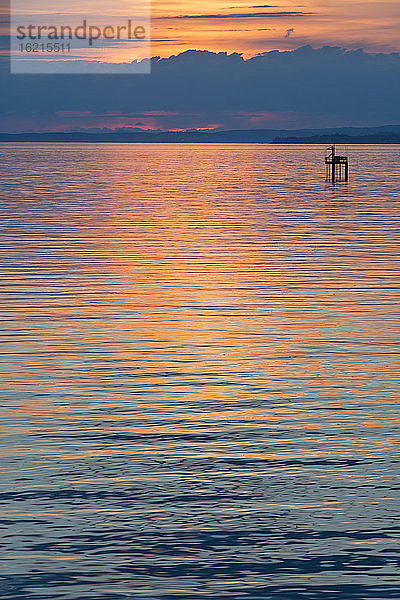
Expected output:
{"points": [[285, 13], [352, 85]]}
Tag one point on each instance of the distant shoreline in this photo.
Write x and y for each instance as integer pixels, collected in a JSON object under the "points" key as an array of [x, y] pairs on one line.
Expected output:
{"points": [[256, 136], [389, 138]]}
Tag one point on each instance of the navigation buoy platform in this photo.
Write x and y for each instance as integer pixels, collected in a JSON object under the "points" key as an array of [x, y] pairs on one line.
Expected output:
{"points": [[337, 167]]}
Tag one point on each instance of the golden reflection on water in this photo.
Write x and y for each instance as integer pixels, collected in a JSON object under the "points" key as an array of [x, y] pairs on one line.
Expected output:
{"points": [[200, 339]]}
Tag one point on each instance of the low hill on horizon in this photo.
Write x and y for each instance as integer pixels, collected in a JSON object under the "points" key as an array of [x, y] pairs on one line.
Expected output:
{"points": [[385, 134]]}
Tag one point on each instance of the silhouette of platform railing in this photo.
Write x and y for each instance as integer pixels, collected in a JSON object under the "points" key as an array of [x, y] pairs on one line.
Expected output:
{"points": [[337, 167]]}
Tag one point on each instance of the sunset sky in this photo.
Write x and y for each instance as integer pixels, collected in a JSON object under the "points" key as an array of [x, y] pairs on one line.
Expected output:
{"points": [[318, 75], [239, 26], [234, 25]]}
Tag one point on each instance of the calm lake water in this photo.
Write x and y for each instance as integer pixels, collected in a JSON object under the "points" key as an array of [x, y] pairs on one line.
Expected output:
{"points": [[200, 373]]}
